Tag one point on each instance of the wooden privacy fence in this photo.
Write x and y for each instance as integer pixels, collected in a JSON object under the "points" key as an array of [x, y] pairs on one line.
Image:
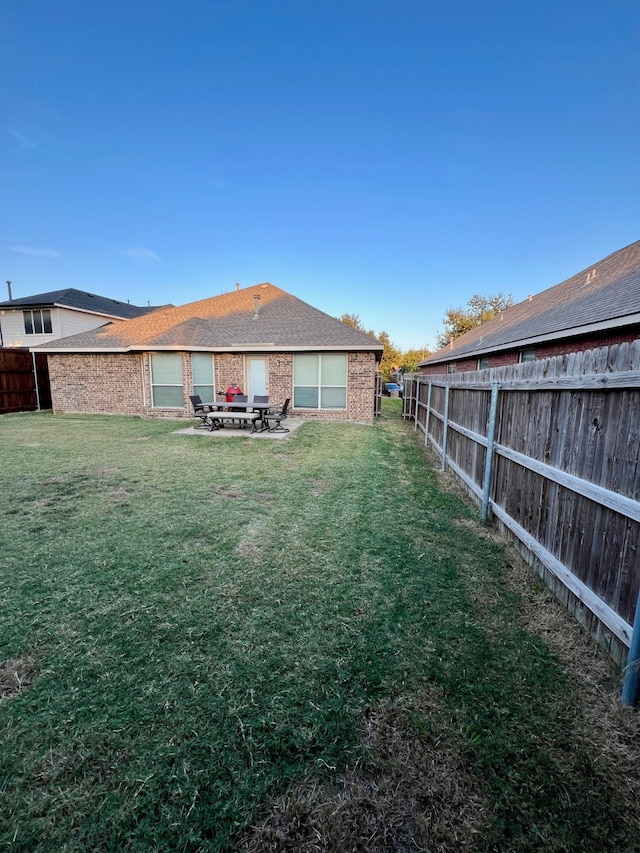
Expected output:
{"points": [[24, 381], [550, 449]]}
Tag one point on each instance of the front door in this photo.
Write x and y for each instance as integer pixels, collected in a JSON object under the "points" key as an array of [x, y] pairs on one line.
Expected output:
{"points": [[256, 376]]}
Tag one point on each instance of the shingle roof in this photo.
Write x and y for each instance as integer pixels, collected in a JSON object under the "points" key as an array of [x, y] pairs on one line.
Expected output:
{"points": [[225, 322], [605, 295], [79, 300]]}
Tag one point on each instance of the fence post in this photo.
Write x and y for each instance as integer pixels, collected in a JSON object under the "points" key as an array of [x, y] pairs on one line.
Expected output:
{"points": [[488, 461], [426, 420], [35, 379], [631, 683], [445, 424]]}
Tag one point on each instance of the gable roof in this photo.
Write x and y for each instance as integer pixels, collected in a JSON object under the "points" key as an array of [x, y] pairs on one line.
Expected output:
{"points": [[606, 295], [259, 318], [79, 300]]}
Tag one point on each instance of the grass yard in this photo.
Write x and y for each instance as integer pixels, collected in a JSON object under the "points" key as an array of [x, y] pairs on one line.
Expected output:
{"points": [[212, 644]]}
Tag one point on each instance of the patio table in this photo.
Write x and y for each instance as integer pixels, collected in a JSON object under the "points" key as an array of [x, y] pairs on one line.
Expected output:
{"points": [[229, 408]]}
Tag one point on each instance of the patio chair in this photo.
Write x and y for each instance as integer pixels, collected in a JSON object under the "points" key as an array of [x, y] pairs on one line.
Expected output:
{"points": [[278, 417], [238, 398], [200, 410]]}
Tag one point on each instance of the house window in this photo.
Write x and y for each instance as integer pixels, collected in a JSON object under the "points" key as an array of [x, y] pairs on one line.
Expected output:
{"points": [[451, 367], [320, 381], [202, 371], [166, 380], [37, 321], [483, 364], [527, 355]]}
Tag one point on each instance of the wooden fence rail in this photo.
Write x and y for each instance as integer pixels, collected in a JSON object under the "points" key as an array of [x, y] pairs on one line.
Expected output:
{"points": [[550, 450]]}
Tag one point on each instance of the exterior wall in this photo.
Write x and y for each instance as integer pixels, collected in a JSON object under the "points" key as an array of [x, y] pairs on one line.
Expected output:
{"points": [[96, 383], [546, 350], [63, 322], [113, 383]]}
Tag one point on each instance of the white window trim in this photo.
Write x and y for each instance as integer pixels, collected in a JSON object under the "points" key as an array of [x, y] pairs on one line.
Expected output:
{"points": [[39, 311], [165, 384], [320, 385]]}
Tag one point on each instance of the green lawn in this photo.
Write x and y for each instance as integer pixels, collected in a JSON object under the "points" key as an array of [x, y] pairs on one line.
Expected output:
{"points": [[308, 644]]}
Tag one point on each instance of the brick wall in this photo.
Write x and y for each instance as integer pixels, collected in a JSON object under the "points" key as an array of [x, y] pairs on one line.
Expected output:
{"points": [[96, 383], [113, 383]]}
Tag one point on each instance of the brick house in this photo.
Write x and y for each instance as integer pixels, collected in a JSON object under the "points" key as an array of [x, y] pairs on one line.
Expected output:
{"points": [[599, 306], [260, 337], [32, 320]]}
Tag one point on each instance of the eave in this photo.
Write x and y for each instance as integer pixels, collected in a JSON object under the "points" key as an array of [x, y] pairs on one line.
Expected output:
{"points": [[574, 332], [242, 348]]}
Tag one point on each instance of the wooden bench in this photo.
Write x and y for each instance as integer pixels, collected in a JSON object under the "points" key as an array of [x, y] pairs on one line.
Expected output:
{"points": [[217, 420]]}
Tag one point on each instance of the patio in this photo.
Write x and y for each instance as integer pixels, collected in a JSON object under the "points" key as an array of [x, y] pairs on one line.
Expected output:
{"points": [[292, 424]]}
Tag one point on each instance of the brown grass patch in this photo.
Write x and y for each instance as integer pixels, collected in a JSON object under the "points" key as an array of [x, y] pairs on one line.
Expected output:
{"points": [[16, 674], [121, 492], [413, 792], [226, 493]]}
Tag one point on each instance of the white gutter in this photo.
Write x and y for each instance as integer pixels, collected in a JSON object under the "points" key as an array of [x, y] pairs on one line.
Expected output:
{"points": [[190, 348]]}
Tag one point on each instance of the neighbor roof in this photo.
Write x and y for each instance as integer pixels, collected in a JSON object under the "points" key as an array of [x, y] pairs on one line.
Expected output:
{"points": [[79, 300], [606, 295], [258, 318]]}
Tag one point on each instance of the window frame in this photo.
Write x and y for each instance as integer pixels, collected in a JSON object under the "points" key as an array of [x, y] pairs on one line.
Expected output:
{"points": [[44, 319], [155, 385], [208, 397], [526, 355], [319, 385]]}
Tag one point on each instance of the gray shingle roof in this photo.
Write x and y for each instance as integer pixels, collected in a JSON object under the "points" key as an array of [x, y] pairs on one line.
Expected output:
{"points": [[225, 322], [79, 300], [605, 295]]}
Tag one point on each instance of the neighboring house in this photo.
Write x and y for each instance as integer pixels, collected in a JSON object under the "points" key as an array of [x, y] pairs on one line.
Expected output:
{"points": [[599, 306], [260, 337], [39, 319]]}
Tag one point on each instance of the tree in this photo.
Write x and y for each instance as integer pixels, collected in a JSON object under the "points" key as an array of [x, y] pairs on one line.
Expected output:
{"points": [[391, 355], [411, 358], [352, 320], [478, 310]]}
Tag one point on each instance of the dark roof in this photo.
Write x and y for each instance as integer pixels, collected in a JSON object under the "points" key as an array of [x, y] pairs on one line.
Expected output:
{"points": [[603, 296], [79, 300], [226, 322]]}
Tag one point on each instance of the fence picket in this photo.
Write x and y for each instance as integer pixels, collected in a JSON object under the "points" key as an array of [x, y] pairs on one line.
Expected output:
{"points": [[577, 415]]}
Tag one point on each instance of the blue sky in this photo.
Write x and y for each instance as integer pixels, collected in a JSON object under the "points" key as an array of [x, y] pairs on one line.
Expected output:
{"points": [[386, 159]]}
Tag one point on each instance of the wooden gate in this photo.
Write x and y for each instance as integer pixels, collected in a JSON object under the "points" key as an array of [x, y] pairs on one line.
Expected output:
{"points": [[24, 381]]}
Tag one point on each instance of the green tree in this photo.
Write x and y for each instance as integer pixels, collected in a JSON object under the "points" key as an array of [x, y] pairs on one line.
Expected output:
{"points": [[477, 311], [391, 356], [352, 320], [411, 358]]}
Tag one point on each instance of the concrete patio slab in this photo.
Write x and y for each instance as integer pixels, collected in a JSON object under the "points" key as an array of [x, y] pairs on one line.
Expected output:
{"points": [[235, 432]]}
